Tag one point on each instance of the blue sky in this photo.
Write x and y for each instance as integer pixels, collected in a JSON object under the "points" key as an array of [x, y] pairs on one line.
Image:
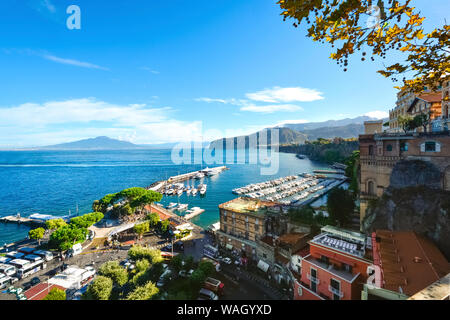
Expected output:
{"points": [[152, 71]]}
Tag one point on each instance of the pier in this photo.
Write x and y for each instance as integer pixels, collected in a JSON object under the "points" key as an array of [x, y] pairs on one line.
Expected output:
{"points": [[157, 186], [330, 171], [21, 220]]}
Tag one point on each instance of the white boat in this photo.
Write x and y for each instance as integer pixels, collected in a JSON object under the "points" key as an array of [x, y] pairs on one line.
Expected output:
{"points": [[199, 175], [180, 192], [188, 191], [172, 205], [182, 207], [194, 192], [202, 189]]}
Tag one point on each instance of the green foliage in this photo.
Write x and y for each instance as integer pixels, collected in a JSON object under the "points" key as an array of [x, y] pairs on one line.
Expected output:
{"points": [[138, 253], [197, 278], [87, 220], [153, 219], [352, 172], [142, 228], [189, 262], [306, 215], [115, 272], [146, 292], [164, 225], [340, 205], [66, 236], [324, 150], [56, 294], [142, 265], [55, 224], [207, 268], [100, 289], [177, 263], [36, 234]]}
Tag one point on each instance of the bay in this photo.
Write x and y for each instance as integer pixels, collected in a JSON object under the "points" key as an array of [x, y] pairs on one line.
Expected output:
{"points": [[54, 182]]}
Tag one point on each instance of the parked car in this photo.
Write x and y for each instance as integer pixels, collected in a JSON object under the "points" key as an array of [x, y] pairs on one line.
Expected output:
{"points": [[206, 294], [227, 260], [163, 279], [35, 281]]}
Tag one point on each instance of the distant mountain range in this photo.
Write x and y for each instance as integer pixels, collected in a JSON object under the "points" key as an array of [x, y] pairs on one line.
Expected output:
{"points": [[299, 133], [103, 143]]}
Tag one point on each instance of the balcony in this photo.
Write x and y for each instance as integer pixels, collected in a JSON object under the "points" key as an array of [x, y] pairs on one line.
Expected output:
{"points": [[336, 292], [312, 279]]}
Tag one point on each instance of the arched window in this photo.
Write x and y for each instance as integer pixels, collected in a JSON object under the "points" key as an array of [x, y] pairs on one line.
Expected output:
{"points": [[371, 188]]}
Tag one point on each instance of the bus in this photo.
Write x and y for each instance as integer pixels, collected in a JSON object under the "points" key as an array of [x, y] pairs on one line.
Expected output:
{"points": [[5, 281], [47, 255], [31, 268], [7, 269], [210, 251]]}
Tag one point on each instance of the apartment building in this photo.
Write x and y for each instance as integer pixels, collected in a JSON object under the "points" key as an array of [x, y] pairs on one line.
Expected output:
{"points": [[410, 103], [336, 267], [243, 221]]}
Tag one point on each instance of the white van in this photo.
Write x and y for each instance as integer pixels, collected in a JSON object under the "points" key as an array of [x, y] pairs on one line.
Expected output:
{"points": [[76, 249], [162, 279]]}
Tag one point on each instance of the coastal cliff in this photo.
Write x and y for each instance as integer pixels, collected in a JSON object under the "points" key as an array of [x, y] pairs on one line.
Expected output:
{"points": [[414, 201]]}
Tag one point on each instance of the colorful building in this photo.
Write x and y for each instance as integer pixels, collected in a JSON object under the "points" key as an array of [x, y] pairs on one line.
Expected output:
{"points": [[336, 267]]}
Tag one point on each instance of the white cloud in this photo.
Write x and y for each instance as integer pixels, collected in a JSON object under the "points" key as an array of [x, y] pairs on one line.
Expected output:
{"points": [[61, 121], [272, 108], [73, 62], [297, 121], [150, 70], [48, 5], [278, 94], [377, 114]]}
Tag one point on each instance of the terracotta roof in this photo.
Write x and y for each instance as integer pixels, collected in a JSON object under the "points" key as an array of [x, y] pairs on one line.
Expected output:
{"points": [[409, 261], [303, 252], [268, 240], [292, 238], [161, 214], [283, 260], [431, 97], [40, 291]]}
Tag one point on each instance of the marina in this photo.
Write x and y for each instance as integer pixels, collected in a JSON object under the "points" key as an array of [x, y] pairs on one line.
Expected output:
{"points": [[291, 190]]}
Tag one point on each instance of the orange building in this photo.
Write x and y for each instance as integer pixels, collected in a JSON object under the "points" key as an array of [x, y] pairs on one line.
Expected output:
{"points": [[336, 267]]}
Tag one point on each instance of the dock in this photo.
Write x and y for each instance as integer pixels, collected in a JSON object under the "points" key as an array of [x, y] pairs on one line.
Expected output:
{"points": [[157, 186], [21, 220], [329, 171], [196, 211]]}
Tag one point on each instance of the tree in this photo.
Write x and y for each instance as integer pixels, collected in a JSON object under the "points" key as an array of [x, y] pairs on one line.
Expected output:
{"points": [[100, 289], [422, 120], [197, 278], [340, 205], [55, 224], [142, 228], [153, 219], [87, 220], [207, 267], [66, 236], [404, 121], [37, 234], [177, 263], [138, 253], [115, 272], [391, 26], [164, 226], [56, 294], [142, 265], [352, 171], [145, 292]]}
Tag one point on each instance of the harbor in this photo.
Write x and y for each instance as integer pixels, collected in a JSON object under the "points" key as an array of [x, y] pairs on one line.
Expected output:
{"points": [[291, 190]]}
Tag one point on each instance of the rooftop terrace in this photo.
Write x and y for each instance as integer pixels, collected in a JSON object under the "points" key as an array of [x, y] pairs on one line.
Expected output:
{"points": [[247, 205]]}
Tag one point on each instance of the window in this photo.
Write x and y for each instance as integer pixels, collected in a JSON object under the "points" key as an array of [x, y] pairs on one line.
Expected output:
{"points": [[335, 288], [370, 150], [389, 147], [371, 188], [404, 146], [430, 146], [347, 267]]}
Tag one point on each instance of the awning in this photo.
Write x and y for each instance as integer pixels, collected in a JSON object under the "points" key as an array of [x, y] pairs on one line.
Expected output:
{"points": [[263, 266], [229, 246]]}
